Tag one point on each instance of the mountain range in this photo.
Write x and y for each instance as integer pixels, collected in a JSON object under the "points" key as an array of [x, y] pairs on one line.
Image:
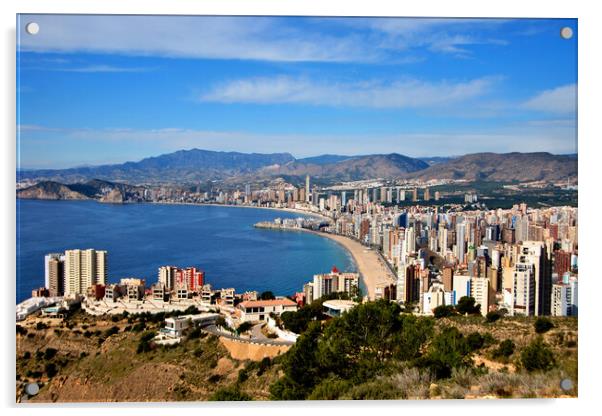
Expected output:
{"points": [[195, 165]]}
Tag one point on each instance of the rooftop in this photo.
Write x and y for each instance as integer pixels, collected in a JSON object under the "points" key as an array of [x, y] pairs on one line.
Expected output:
{"points": [[339, 304], [271, 302]]}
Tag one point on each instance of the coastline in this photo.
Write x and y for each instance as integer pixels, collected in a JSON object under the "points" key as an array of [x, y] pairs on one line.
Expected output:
{"points": [[373, 272], [368, 263], [292, 210]]}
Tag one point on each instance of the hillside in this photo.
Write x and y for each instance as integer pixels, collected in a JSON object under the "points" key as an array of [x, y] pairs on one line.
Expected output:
{"points": [[503, 167], [86, 358], [182, 166], [194, 166], [351, 169], [94, 189], [50, 190]]}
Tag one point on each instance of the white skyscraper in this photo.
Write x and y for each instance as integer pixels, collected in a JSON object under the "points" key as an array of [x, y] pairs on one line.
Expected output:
{"points": [[460, 241], [307, 192], [84, 268]]}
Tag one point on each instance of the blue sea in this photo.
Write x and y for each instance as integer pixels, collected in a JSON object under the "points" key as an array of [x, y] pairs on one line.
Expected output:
{"points": [[141, 237]]}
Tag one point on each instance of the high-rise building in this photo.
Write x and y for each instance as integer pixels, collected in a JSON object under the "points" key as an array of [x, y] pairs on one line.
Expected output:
{"points": [[189, 279], [333, 282], [479, 290], [448, 278], [460, 242], [523, 290], [307, 190], [84, 268], [167, 276], [54, 268], [535, 253]]}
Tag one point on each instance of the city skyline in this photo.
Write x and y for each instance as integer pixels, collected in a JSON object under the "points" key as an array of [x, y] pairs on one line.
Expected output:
{"points": [[419, 87]]}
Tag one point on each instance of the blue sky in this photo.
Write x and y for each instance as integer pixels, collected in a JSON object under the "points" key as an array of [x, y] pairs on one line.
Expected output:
{"points": [[108, 89]]}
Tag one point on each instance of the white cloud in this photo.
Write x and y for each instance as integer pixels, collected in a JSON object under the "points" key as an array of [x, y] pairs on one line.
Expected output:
{"points": [[259, 38], [557, 100], [256, 38], [406, 93]]}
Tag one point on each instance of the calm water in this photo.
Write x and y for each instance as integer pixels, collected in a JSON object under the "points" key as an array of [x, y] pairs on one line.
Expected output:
{"points": [[141, 237]]}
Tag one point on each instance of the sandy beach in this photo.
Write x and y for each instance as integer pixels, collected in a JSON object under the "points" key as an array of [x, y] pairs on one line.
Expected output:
{"points": [[371, 267]]}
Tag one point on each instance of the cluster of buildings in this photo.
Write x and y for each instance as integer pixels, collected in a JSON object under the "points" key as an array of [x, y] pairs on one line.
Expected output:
{"points": [[522, 260], [325, 284]]}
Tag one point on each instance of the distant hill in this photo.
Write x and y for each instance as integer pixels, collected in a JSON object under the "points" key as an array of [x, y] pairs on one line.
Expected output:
{"points": [[50, 190], [356, 168], [194, 166], [324, 159], [95, 189], [181, 166], [504, 167], [435, 160]]}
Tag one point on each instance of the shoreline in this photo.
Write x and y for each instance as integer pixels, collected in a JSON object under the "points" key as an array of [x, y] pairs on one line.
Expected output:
{"points": [[368, 262]]}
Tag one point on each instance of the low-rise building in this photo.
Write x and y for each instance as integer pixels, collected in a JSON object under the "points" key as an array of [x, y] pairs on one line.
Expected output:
{"points": [[227, 297], [259, 310], [175, 326], [159, 292], [134, 288], [336, 307], [113, 292]]}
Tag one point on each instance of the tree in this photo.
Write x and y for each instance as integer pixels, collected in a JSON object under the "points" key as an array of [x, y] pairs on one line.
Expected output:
{"points": [[448, 350], [543, 325], [244, 327], [467, 305], [444, 311], [267, 295], [300, 365], [537, 356]]}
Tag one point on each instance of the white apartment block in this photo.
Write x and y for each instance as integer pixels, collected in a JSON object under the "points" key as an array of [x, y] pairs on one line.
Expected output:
{"points": [[84, 268]]}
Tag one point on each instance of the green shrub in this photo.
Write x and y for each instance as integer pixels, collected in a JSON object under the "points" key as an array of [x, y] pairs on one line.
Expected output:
{"points": [[537, 356], [111, 331], [493, 317], [330, 389], [41, 325], [543, 325], [448, 350], [504, 350], [50, 370], [49, 353], [443, 311], [475, 341], [139, 327], [243, 375], [230, 394]]}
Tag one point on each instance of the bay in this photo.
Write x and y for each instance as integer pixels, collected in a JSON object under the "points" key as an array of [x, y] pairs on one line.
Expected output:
{"points": [[140, 238]]}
